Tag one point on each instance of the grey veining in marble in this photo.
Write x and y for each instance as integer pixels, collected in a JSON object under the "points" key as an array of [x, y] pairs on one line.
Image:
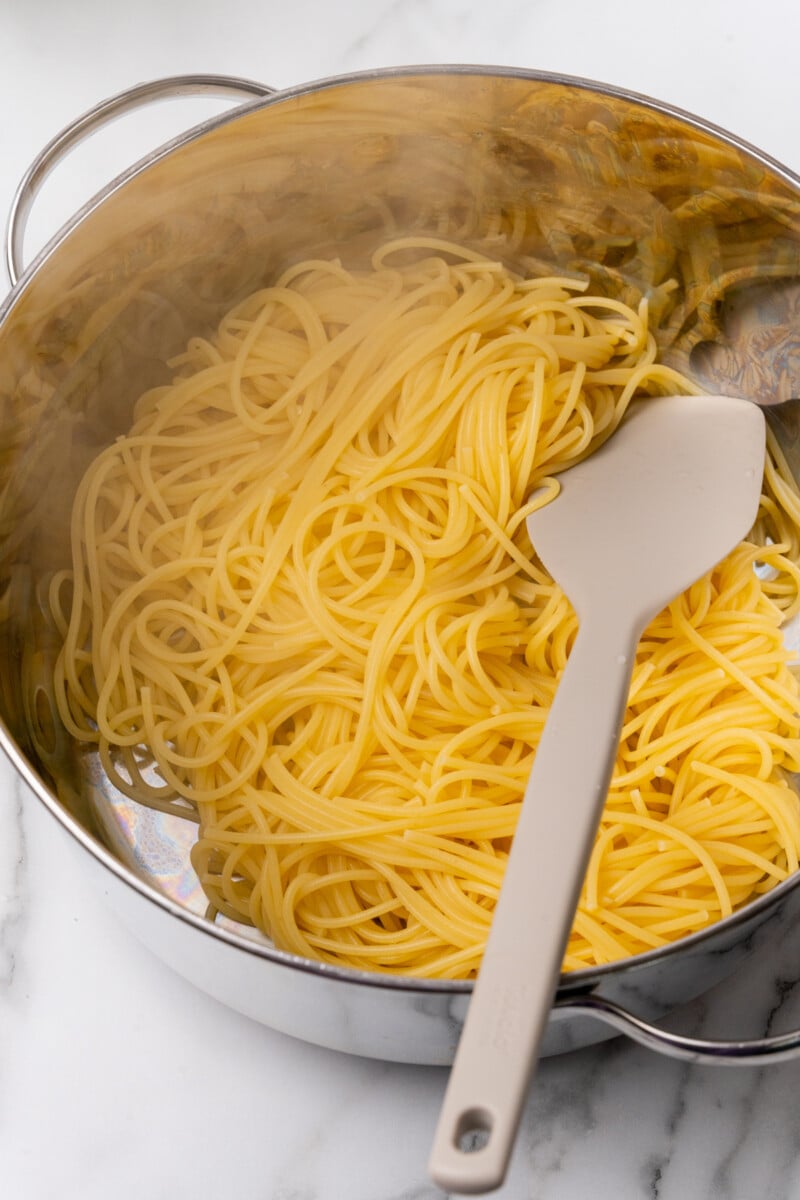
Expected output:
{"points": [[14, 897], [117, 1079]]}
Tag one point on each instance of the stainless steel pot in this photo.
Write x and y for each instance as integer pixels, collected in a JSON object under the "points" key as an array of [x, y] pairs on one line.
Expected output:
{"points": [[167, 248]]}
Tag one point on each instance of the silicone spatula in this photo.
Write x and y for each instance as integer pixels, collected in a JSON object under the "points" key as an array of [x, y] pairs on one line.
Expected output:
{"points": [[658, 505]]}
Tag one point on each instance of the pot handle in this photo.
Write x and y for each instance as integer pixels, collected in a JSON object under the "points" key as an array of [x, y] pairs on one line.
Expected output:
{"points": [[82, 127], [753, 1053]]}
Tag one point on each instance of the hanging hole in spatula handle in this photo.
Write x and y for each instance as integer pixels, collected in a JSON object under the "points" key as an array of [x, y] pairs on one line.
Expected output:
{"points": [[474, 1130], [142, 94]]}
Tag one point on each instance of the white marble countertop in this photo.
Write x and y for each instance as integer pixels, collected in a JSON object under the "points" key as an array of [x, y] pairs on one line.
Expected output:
{"points": [[116, 1077]]}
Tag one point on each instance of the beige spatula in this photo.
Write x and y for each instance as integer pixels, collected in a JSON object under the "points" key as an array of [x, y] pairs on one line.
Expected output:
{"points": [[634, 525]]}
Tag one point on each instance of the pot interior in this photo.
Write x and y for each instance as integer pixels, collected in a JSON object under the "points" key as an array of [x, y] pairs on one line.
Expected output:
{"points": [[554, 175]]}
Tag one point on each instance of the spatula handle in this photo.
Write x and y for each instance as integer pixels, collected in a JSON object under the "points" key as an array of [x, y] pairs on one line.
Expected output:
{"points": [[522, 962]]}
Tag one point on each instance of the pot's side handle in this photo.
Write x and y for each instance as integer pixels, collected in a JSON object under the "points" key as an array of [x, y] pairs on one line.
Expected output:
{"points": [[753, 1053], [108, 110]]}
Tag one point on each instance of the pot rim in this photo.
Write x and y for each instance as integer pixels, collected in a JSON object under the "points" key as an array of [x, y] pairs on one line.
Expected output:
{"points": [[579, 981], [425, 70]]}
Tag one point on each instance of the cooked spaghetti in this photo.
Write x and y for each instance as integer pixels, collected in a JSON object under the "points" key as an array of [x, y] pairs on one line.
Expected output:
{"points": [[303, 611]]}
